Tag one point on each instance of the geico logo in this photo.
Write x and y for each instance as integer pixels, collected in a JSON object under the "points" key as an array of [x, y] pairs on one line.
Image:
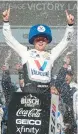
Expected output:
{"points": [[28, 122]]}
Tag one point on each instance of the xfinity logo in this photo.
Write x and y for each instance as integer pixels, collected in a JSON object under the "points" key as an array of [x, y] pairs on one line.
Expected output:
{"points": [[28, 122], [30, 101], [28, 113], [23, 129]]}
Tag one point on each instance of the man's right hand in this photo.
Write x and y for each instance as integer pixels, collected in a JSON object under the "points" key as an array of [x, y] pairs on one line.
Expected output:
{"points": [[53, 90], [6, 15]]}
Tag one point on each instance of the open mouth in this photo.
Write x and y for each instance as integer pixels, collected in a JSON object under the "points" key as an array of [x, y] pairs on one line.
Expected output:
{"points": [[40, 44]]}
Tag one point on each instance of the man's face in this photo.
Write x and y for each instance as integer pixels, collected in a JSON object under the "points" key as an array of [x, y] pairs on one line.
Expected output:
{"points": [[40, 43], [68, 78]]}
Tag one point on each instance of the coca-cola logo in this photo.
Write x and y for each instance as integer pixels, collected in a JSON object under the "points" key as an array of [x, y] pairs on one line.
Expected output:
{"points": [[30, 101], [28, 113]]}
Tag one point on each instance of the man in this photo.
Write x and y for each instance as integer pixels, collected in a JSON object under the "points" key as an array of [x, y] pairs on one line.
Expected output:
{"points": [[7, 86], [1, 116], [19, 68], [75, 106], [63, 80], [37, 63], [8, 89], [65, 75], [62, 84]]}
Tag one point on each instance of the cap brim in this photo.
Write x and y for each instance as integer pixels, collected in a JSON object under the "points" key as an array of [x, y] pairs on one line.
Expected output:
{"points": [[31, 41]]}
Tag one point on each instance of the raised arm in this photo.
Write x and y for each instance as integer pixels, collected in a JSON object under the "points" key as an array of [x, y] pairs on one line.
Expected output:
{"points": [[10, 40], [58, 50]]}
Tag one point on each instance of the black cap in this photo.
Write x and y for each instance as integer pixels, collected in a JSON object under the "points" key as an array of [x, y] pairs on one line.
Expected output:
{"points": [[69, 72]]}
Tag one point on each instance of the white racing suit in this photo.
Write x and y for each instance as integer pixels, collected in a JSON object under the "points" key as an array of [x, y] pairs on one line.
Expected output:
{"points": [[37, 65]]}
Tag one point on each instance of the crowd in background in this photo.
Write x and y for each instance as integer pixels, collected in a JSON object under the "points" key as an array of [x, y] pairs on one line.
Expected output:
{"points": [[61, 85]]}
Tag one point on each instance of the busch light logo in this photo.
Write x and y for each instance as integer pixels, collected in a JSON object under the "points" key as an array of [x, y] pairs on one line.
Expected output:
{"points": [[30, 101]]}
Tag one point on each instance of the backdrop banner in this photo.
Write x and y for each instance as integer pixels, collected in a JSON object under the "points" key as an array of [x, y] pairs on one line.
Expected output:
{"points": [[29, 113]]}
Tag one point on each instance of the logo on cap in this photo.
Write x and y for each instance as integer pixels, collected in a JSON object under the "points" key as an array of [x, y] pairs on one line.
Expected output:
{"points": [[41, 28]]}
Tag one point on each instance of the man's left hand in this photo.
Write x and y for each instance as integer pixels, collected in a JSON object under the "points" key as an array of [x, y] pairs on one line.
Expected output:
{"points": [[70, 18]]}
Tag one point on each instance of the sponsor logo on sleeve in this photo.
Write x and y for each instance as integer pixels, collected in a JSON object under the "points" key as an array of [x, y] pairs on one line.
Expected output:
{"points": [[69, 36]]}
